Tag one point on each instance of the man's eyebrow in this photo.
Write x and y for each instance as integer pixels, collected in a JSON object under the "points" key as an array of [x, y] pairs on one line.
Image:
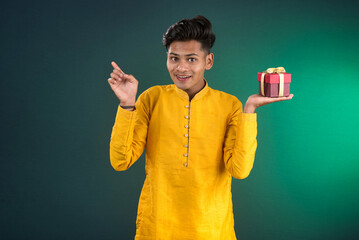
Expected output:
{"points": [[187, 55]]}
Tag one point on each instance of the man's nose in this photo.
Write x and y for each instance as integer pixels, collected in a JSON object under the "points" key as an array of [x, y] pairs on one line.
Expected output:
{"points": [[182, 66]]}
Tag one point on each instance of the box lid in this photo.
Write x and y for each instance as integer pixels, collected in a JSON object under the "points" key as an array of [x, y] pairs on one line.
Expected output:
{"points": [[274, 77]]}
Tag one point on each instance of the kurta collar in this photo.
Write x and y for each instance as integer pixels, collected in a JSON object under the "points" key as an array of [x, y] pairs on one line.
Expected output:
{"points": [[198, 95]]}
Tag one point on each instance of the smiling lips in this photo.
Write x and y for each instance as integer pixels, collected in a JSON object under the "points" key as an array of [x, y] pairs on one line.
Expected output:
{"points": [[182, 78]]}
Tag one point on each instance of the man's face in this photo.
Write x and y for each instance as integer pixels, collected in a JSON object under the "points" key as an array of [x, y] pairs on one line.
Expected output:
{"points": [[186, 64]]}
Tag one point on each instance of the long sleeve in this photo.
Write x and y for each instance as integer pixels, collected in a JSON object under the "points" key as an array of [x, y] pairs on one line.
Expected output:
{"points": [[128, 137], [240, 143]]}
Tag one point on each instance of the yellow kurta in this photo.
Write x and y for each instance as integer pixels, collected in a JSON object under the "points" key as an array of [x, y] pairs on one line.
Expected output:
{"points": [[193, 148]]}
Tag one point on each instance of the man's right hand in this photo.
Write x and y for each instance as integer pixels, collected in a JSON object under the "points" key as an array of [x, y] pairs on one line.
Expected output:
{"points": [[123, 85]]}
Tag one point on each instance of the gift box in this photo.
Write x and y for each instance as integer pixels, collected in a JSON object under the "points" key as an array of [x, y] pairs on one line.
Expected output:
{"points": [[274, 82]]}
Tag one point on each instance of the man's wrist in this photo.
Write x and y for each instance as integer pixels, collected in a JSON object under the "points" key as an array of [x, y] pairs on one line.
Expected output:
{"points": [[249, 109], [128, 103], [127, 107]]}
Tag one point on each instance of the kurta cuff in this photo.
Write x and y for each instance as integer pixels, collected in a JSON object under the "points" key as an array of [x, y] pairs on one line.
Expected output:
{"points": [[125, 113], [248, 116]]}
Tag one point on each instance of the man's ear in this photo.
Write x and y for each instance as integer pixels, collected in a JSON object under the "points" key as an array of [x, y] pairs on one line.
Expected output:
{"points": [[209, 61]]}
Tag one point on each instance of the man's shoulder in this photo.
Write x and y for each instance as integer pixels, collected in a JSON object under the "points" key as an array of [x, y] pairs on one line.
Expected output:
{"points": [[156, 91], [224, 96], [159, 88]]}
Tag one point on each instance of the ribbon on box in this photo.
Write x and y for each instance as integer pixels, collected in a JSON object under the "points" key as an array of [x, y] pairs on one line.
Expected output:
{"points": [[278, 70]]}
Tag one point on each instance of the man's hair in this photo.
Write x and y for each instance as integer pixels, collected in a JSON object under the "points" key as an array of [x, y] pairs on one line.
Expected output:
{"points": [[198, 28]]}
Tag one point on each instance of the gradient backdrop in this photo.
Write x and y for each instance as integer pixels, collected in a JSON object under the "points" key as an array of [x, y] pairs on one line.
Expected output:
{"points": [[57, 112]]}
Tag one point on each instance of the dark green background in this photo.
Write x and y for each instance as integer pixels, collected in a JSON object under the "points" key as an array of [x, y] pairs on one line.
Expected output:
{"points": [[57, 112]]}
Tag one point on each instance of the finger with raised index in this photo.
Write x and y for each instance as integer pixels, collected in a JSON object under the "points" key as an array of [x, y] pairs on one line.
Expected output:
{"points": [[115, 66]]}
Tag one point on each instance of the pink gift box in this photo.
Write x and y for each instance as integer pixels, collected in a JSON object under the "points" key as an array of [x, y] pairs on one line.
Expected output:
{"points": [[272, 84]]}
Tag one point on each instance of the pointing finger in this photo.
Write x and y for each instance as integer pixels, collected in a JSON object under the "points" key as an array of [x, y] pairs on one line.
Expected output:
{"points": [[115, 66]]}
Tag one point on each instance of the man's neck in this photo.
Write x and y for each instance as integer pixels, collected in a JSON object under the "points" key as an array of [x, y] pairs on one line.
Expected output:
{"points": [[191, 95]]}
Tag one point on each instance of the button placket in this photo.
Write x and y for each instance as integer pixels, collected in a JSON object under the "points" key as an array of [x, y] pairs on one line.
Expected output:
{"points": [[186, 145]]}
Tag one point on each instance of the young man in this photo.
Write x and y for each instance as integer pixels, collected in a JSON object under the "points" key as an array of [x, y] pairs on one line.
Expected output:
{"points": [[196, 140]]}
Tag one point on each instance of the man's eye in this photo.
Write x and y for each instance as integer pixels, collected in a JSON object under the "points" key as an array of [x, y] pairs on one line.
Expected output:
{"points": [[174, 59], [191, 59]]}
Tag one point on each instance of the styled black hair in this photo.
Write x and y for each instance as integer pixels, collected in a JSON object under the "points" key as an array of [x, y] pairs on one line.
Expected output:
{"points": [[198, 28]]}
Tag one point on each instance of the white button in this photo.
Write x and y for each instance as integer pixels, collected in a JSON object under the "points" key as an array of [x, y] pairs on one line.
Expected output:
{"points": [[186, 117], [187, 106], [185, 155], [185, 164], [185, 145], [186, 135], [186, 126]]}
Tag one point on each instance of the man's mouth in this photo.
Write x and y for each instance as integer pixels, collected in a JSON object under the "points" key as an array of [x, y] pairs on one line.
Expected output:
{"points": [[182, 77]]}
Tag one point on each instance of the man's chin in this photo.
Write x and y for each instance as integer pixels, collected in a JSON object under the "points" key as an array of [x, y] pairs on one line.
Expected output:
{"points": [[181, 85]]}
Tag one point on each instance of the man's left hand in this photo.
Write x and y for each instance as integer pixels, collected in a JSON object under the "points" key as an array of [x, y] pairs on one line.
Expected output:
{"points": [[255, 101]]}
